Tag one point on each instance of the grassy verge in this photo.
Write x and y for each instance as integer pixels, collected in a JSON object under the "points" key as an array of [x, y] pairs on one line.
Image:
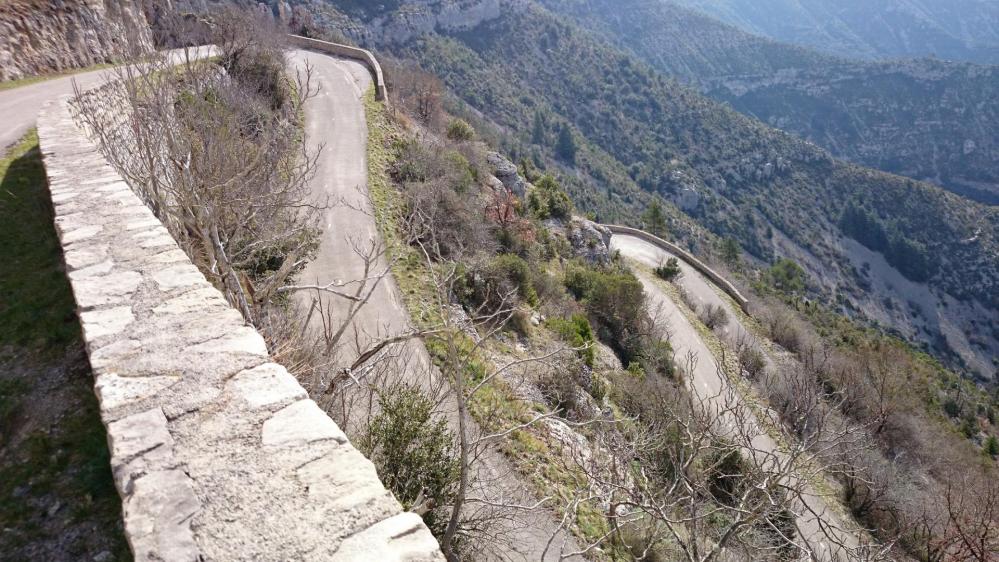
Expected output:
{"points": [[36, 304], [21, 82], [495, 407], [57, 497]]}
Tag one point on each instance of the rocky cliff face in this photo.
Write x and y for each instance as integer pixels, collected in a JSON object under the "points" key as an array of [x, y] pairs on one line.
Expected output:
{"points": [[43, 36], [395, 22]]}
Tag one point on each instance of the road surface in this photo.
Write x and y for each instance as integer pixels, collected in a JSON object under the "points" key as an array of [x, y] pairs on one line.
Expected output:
{"points": [[335, 120], [705, 380], [19, 107]]}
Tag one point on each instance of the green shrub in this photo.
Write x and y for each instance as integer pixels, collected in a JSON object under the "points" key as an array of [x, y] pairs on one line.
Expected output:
{"points": [[598, 388], [549, 200], [951, 408], [656, 358], [460, 174], [578, 333], [11, 392], [992, 446], [636, 370], [615, 301], [787, 276], [669, 270], [413, 452], [726, 473], [503, 276], [460, 130]]}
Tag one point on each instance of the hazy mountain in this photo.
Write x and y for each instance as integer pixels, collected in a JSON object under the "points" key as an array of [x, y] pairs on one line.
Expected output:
{"points": [[951, 29], [926, 119]]}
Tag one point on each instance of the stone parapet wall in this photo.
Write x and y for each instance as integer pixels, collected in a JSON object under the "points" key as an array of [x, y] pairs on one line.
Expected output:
{"points": [[369, 60], [216, 450], [714, 276]]}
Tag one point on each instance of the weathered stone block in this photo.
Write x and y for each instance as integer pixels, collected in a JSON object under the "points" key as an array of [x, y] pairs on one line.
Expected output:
{"points": [[301, 423]]}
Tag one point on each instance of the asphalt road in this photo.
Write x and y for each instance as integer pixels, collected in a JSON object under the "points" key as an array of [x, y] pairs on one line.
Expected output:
{"points": [[19, 107], [335, 121], [707, 383]]}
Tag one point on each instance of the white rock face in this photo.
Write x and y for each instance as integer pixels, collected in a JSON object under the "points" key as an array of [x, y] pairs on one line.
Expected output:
{"points": [[68, 34]]}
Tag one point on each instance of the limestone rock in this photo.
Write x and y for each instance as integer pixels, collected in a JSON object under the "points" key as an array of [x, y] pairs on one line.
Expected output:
{"points": [[506, 172], [45, 37], [589, 240]]}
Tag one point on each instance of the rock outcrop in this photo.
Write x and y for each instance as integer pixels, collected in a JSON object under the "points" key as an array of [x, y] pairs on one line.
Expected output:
{"points": [[45, 36], [589, 241], [506, 172]]}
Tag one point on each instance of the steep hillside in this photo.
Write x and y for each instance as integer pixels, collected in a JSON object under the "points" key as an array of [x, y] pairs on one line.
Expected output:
{"points": [[951, 29], [44, 36], [925, 119], [685, 43], [545, 80]]}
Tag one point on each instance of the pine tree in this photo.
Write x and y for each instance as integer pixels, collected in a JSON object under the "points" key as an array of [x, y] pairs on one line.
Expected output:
{"points": [[730, 250], [655, 219], [540, 132], [566, 147]]}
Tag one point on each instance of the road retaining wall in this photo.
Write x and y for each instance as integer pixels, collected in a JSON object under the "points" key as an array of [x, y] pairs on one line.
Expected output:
{"points": [[216, 450], [369, 60], [687, 257]]}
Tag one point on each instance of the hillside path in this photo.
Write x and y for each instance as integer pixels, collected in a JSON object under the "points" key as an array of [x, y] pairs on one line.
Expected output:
{"points": [[705, 380]]}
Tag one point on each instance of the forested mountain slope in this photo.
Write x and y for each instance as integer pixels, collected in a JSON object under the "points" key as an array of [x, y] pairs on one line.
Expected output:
{"points": [[544, 79], [925, 119], [951, 29]]}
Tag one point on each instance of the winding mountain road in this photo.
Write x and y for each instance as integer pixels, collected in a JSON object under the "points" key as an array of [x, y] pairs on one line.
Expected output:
{"points": [[817, 522], [335, 121]]}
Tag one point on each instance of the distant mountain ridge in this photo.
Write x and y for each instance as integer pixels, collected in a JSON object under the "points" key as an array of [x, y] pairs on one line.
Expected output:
{"points": [[926, 119], [965, 30]]}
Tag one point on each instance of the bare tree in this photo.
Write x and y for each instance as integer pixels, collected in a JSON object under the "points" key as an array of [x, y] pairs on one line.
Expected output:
{"points": [[215, 150], [697, 477]]}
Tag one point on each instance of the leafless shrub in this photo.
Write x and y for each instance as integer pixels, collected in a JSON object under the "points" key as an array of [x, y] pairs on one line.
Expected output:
{"points": [[560, 386], [420, 94], [215, 151], [752, 361], [706, 488], [783, 328], [713, 316]]}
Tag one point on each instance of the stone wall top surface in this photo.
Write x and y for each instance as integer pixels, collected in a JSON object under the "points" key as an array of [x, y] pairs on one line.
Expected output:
{"points": [[216, 450]]}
